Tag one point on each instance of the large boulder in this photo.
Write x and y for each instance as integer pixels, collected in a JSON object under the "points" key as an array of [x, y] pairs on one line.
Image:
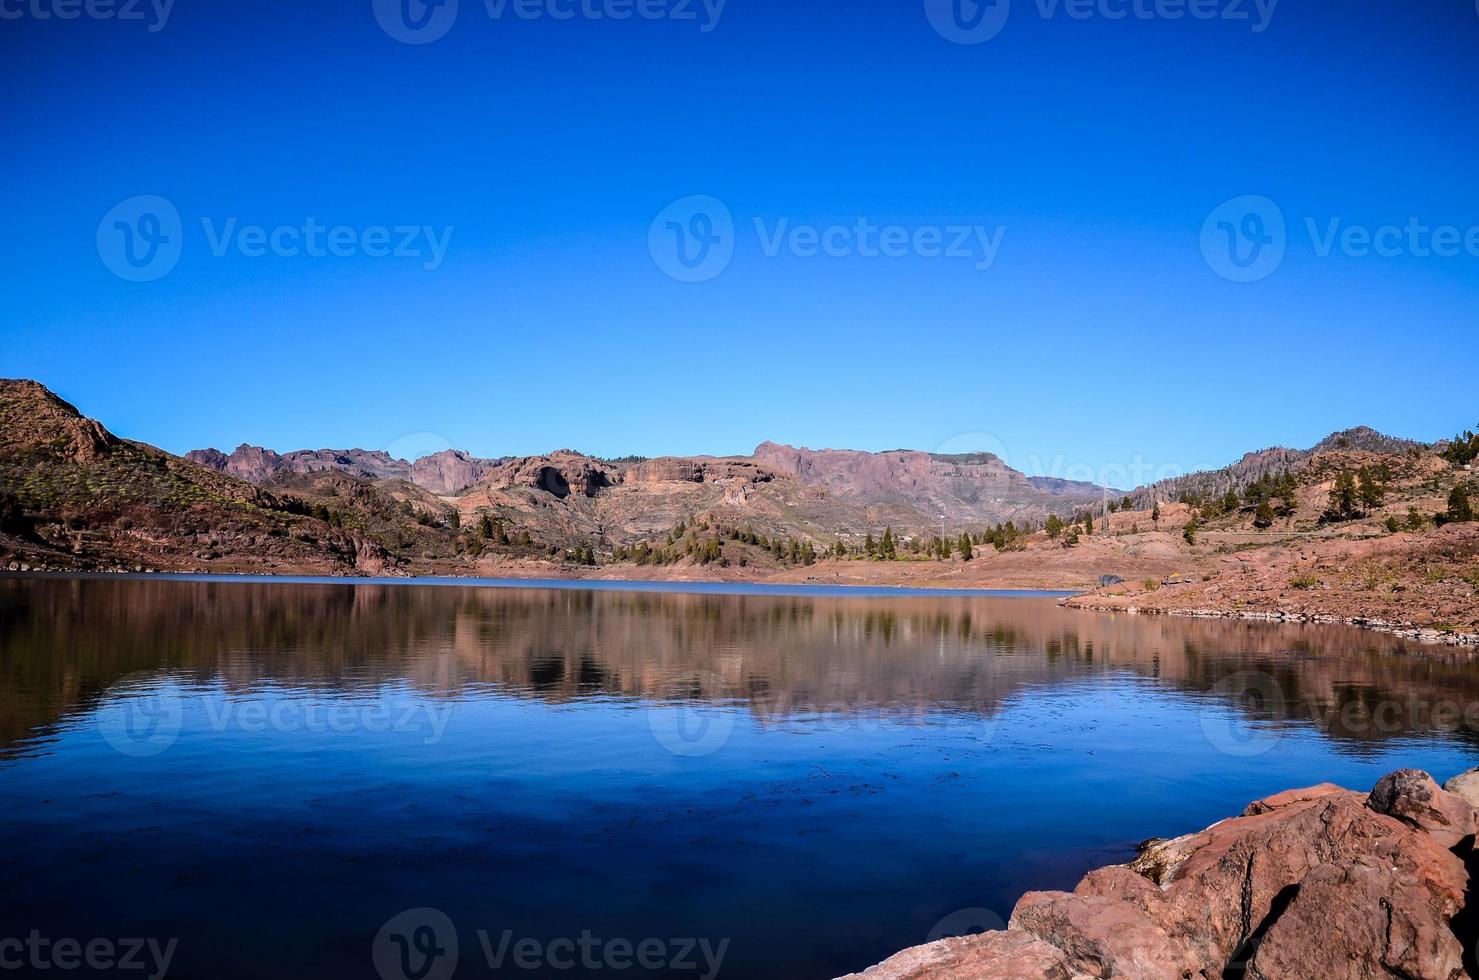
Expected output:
{"points": [[1412, 797], [1465, 785], [1317, 882]]}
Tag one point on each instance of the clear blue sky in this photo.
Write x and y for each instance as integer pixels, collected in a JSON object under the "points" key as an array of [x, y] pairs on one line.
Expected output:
{"points": [[548, 146]]}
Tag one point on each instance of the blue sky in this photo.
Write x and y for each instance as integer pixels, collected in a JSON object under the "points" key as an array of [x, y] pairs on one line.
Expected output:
{"points": [[546, 148]]}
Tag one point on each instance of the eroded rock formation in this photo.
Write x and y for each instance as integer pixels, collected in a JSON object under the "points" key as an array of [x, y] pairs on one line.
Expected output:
{"points": [[1318, 882]]}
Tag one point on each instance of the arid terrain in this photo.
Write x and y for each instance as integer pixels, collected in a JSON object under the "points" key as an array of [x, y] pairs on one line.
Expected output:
{"points": [[1362, 527]]}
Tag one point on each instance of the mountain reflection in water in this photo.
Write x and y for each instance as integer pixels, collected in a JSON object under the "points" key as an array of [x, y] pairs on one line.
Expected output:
{"points": [[818, 779]]}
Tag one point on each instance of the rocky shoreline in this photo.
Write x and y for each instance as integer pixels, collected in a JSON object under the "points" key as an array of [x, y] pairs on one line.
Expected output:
{"points": [[1405, 630], [1317, 882]]}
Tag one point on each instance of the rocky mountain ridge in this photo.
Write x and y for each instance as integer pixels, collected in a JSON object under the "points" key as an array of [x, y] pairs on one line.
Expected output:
{"points": [[445, 472], [1269, 462]]}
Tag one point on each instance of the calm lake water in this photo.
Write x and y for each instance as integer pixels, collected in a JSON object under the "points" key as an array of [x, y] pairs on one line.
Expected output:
{"points": [[362, 780]]}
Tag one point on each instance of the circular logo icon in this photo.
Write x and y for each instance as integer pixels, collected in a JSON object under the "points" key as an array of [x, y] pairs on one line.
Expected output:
{"points": [[697, 721], [417, 944], [415, 21], [140, 239], [966, 922], [970, 451], [141, 714], [692, 239], [416, 445], [969, 21], [1244, 239], [1240, 707]]}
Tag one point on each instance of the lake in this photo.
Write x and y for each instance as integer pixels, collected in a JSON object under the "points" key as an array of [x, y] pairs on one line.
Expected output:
{"points": [[225, 779]]}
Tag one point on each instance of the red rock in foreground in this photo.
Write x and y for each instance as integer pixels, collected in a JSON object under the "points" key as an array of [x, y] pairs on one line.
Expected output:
{"points": [[1320, 882]]}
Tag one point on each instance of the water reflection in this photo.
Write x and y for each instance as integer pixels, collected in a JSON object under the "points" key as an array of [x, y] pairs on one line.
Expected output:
{"points": [[274, 774], [65, 642]]}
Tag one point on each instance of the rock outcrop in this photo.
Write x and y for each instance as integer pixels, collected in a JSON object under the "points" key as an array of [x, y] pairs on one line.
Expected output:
{"points": [[969, 487], [445, 472], [696, 469], [561, 473], [1317, 882]]}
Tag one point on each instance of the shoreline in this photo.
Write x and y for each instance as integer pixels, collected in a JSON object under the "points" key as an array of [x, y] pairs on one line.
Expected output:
{"points": [[1320, 881], [574, 583], [1405, 630]]}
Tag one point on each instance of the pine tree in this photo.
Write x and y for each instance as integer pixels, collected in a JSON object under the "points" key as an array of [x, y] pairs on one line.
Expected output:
{"points": [[1054, 526], [1342, 506], [1264, 516], [1155, 513], [1459, 509], [1370, 491], [965, 547], [868, 546], [1089, 524], [886, 548]]}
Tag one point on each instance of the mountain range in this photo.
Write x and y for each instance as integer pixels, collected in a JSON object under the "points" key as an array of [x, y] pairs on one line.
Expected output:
{"points": [[75, 495]]}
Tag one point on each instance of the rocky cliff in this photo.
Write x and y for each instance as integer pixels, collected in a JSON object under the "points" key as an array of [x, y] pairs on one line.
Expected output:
{"points": [[445, 472], [970, 488]]}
